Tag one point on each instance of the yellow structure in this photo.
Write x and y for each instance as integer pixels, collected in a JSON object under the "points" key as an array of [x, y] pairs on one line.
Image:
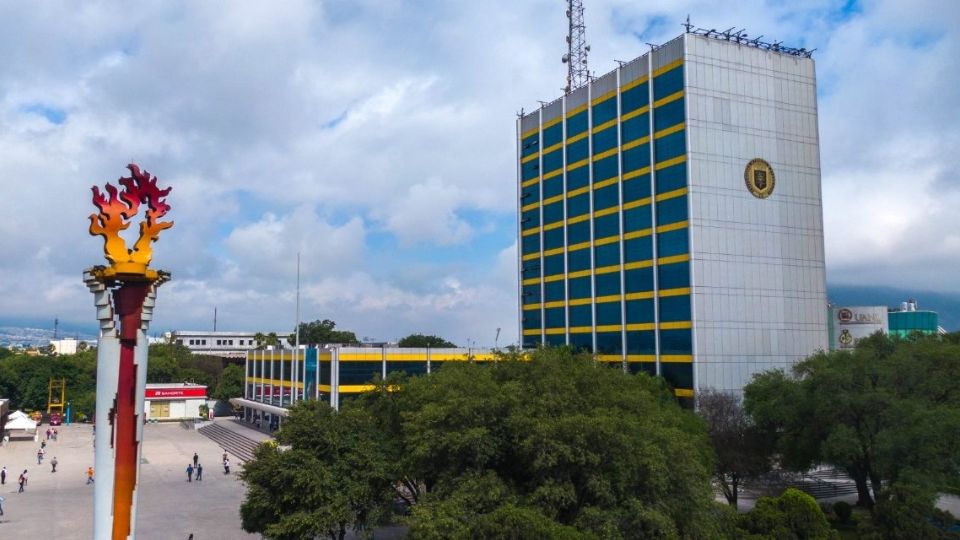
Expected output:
{"points": [[56, 395]]}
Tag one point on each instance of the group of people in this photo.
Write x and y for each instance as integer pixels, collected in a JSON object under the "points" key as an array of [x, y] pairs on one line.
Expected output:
{"points": [[195, 469]]}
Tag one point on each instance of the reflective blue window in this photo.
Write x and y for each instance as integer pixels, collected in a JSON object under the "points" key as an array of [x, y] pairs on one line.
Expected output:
{"points": [[672, 210], [530, 170], [634, 98], [636, 158], [665, 116], [672, 276], [577, 123], [553, 160], [529, 194], [638, 249], [668, 83], [605, 110], [553, 238], [640, 311], [530, 219], [553, 212], [582, 342], [679, 375], [578, 206], [608, 284], [531, 342], [675, 308], [635, 128], [671, 178], [672, 243], [643, 342], [606, 197], [555, 340], [555, 317], [580, 287], [531, 269], [530, 145], [581, 315], [531, 294], [608, 225], [637, 219], [671, 146], [553, 264], [649, 368], [605, 168], [552, 135], [552, 187], [531, 318], [609, 343], [607, 255], [358, 372], [578, 232], [577, 150], [638, 280], [604, 140], [577, 178], [579, 260], [637, 188], [553, 291], [531, 244]]}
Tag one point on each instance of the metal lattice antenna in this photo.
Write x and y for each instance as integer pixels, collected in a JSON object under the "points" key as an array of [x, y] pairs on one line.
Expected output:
{"points": [[577, 48]]}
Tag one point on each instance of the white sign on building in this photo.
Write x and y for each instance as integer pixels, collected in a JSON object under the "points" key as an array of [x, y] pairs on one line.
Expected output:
{"points": [[853, 323]]}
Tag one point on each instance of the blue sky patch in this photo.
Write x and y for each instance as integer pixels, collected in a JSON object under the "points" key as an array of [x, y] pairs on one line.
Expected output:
{"points": [[53, 115]]}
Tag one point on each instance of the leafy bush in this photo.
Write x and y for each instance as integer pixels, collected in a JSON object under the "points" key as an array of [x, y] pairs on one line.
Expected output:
{"points": [[843, 511]]}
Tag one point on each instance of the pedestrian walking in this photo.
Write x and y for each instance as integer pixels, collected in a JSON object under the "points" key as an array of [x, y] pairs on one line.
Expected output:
{"points": [[23, 481], [55, 434], [40, 456], [189, 472], [226, 466], [224, 457], [53, 463], [1, 505], [199, 472], [196, 458], [3, 476], [89, 475], [48, 434], [43, 444]]}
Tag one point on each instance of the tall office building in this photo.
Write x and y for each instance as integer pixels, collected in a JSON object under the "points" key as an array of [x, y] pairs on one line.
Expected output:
{"points": [[670, 215]]}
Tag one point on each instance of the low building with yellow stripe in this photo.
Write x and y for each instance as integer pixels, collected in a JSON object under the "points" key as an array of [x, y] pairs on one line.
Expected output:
{"points": [[669, 215]]}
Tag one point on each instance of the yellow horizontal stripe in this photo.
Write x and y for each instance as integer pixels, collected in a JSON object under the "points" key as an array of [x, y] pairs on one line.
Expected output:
{"points": [[637, 203], [605, 183], [680, 291], [530, 232], [531, 157], [324, 388], [608, 269], [578, 137], [581, 330], [676, 358], [641, 358], [600, 127], [531, 256], [580, 301], [551, 279], [532, 332], [579, 191], [672, 226], [552, 226], [552, 147], [579, 273], [552, 122], [639, 264], [605, 154], [356, 388], [449, 357], [635, 113], [609, 358], [609, 328], [551, 200], [671, 162], [603, 97], [577, 164], [555, 331], [578, 219], [554, 304], [635, 143], [645, 295], [639, 172], [529, 132], [361, 357], [669, 131], [531, 307], [633, 83], [640, 327], [674, 259], [606, 211], [679, 325], [672, 194], [667, 67], [637, 234], [406, 357], [683, 392], [483, 357], [530, 206], [667, 99], [608, 298], [553, 174], [553, 251], [576, 110], [531, 281], [607, 240], [530, 182], [578, 246]]}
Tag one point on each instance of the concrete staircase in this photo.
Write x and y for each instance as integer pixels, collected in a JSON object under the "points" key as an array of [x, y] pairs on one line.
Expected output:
{"points": [[822, 483], [231, 441]]}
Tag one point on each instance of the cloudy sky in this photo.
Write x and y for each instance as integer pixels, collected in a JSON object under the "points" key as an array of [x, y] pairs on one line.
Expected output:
{"points": [[377, 139]]}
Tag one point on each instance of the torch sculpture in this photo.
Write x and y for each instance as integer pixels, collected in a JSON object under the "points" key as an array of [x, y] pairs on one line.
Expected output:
{"points": [[126, 288]]}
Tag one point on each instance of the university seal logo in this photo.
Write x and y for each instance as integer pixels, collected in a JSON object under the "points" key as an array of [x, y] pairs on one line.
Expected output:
{"points": [[759, 178]]}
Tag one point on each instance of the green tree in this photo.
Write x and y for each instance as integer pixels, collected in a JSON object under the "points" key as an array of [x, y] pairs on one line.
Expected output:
{"points": [[318, 332], [420, 340], [230, 384], [743, 450], [792, 515], [261, 339], [333, 478]]}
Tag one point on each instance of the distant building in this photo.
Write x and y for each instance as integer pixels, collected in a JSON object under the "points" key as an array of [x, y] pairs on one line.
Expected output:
{"points": [[849, 324], [223, 344], [908, 319], [176, 401], [65, 346]]}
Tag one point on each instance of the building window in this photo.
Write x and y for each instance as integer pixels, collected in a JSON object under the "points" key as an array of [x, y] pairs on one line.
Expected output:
{"points": [[531, 294], [582, 342], [672, 210], [553, 238], [531, 244], [671, 178], [577, 177], [531, 319], [578, 232], [634, 98], [553, 264], [605, 110], [580, 288], [553, 291], [608, 284], [637, 219], [673, 276], [581, 315], [577, 151], [553, 212], [643, 342], [606, 197], [672, 243], [604, 140], [530, 145], [668, 83], [635, 128], [638, 249], [674, 308], [608, 313], [555, 317], [638, 280], [668, 115], [636, 158], [679, 375], [640, 311], [552, 187], [578, 260], [609, 343], [577, 123], [676, 342], [670, 146], [552, 135], [607, 255]]}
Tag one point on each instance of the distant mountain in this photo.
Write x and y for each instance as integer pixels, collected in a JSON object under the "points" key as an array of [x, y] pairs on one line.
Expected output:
{"points": [[947, 305]]}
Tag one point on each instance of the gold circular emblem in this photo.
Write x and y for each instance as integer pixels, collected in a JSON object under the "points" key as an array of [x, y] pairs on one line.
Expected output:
{"points": [[759, 178]]}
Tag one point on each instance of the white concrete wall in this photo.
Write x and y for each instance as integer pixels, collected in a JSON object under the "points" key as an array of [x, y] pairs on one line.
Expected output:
{"points": [[759, 295]]}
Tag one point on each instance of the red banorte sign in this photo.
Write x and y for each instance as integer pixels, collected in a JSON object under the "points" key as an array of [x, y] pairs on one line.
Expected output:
{"points": [[173, 393]]}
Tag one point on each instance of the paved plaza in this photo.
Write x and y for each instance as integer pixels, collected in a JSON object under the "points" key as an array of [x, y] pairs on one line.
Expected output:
{"points": [[60, 505]]}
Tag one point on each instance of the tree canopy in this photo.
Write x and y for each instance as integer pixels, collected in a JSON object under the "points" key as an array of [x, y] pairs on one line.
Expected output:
{"points": [[420, 340], [323, 331]]}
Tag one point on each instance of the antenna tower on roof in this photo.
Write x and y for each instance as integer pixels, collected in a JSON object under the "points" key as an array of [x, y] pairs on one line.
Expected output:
{"points": [[577, 48]]}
